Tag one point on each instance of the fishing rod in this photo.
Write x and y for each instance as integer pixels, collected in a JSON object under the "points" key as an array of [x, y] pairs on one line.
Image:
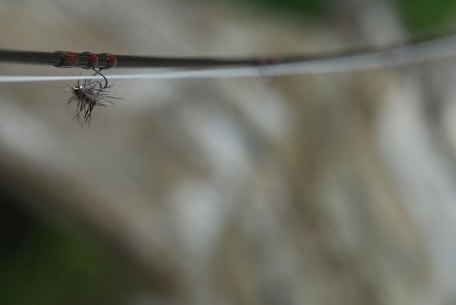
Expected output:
{"points": [[180, 68], [65, 59], [390, 56]]}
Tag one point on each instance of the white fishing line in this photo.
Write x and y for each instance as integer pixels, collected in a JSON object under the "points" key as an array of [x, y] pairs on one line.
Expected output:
{"points": [[438, 49]]}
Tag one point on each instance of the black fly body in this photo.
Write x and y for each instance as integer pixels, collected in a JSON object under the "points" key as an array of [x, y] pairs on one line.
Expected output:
{"points": [[90, 93]]}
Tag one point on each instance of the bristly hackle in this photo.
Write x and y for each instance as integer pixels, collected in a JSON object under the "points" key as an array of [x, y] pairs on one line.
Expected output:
{"points": [[88, 94]]}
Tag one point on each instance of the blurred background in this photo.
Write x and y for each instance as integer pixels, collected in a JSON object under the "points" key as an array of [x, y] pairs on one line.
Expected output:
{"points": [[323, 189]]}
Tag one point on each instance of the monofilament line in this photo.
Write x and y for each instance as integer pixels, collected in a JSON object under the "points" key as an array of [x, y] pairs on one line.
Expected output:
{"points": [[438, 49]]}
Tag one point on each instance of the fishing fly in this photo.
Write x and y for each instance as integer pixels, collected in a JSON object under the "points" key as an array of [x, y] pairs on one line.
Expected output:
{"points": [[88, 94]]}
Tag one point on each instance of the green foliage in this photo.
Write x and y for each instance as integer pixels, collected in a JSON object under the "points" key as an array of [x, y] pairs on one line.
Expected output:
{"points": [[42, 264], [425, 15], [418, 15], [310, 7]]}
